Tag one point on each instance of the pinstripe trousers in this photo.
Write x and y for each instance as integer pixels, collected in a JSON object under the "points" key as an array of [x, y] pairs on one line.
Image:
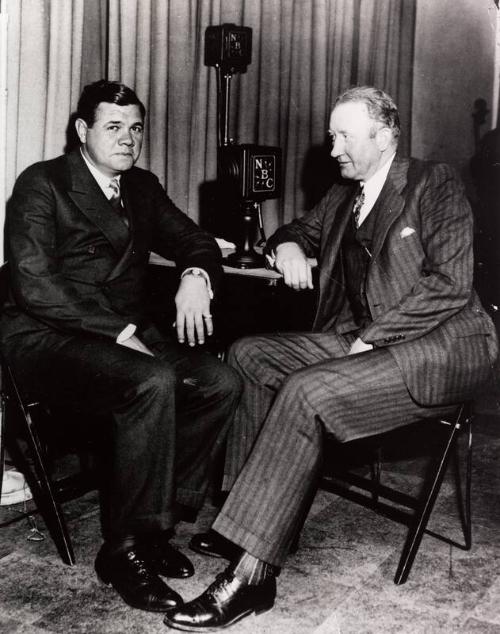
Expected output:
{"points": [[297, 388]]}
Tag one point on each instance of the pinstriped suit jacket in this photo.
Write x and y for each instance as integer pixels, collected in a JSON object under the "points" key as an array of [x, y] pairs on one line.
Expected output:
{"points": [[419, 282]]}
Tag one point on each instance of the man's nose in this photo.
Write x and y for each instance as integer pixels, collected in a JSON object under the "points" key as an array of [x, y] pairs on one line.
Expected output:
{"points": [[126, 138], [337, 148]]}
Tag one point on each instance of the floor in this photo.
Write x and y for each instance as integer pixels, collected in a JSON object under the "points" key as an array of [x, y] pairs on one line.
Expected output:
{"points": [[339, 582]]}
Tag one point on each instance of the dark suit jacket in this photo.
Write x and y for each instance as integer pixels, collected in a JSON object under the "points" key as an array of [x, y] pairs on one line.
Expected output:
{"points": [[75, 268], [419, 282]]}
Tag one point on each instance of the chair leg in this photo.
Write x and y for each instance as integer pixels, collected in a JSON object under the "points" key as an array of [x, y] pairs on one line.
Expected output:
{"points": [[375, 473], [422, 517], [2, 440], [468, 488], [41, 487]]}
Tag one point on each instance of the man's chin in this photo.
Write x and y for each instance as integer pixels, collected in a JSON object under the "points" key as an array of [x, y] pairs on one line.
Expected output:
{"points": [[123, 163], [346, 172]]}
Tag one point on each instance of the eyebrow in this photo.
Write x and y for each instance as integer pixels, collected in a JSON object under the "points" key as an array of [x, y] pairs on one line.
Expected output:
{"points": [[120, 122]]}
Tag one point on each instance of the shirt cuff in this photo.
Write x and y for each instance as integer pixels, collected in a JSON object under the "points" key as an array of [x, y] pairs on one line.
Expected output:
{"points": [[195, 270], [126, 333]]}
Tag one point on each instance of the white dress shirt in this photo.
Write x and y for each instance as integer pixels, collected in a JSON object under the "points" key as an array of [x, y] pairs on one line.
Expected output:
{"points": [[102, 180], [372, 188]]}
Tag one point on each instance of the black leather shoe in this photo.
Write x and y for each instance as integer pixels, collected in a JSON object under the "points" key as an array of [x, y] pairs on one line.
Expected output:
{"points": [[135, 582], [226, 601], [214, 545], [167, 561]]}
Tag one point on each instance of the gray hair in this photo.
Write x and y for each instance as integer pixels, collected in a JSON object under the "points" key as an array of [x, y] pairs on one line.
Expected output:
{"points": [[379, 104]]}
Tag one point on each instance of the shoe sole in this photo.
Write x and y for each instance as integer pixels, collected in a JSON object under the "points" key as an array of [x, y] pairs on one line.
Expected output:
{"points": [[188, 628], [163, 573]]}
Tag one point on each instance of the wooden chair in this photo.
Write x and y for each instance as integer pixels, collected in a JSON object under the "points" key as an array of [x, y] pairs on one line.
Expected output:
{"points": [[412, 510], [25, 426]]}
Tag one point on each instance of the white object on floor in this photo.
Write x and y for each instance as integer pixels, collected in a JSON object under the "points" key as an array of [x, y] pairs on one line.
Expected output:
{"points": [[14, 488]]}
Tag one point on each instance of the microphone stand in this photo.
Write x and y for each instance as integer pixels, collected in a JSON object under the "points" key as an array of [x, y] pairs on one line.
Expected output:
{"points": [[245, 256]]}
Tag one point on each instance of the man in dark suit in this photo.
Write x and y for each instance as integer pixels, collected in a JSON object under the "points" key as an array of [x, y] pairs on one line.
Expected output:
{"points": [[79, 232], [399, 336]]}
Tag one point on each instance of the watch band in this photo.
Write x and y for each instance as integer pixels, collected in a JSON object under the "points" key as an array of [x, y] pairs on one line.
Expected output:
{"points": [[197, 272]]}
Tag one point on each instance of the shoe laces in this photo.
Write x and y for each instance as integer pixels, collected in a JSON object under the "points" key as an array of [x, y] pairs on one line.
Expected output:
{"points": [[140, 565], [220, 588]]}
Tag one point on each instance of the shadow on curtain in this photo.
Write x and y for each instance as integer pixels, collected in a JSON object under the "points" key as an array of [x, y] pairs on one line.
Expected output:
{"points": [[304, 53]]}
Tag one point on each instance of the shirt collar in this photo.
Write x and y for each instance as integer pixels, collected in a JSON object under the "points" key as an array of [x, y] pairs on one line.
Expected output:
{"points": [[373, 186], [102, 179]]}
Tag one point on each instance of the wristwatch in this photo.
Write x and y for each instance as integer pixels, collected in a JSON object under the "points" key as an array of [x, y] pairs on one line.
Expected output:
{"points": [[194, 271], [197, 272]]}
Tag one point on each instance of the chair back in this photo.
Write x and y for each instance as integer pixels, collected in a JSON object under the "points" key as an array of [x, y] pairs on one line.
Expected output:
{"points": [[4, 283]]}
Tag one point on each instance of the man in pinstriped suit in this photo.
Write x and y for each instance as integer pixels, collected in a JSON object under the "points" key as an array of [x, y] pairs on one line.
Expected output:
{"points": [[399, 336]]}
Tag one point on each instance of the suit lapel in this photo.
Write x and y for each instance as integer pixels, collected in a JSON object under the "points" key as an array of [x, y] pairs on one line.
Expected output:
{"points": [[390, 202], [87, 195]]}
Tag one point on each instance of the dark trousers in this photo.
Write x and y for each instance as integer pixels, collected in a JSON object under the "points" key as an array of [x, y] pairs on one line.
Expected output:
{"points": [[167, 417], [298, 387]]}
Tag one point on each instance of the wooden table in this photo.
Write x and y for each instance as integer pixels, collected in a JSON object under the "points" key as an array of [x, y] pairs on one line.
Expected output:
{"points": [[270, 276], [250, 301]]}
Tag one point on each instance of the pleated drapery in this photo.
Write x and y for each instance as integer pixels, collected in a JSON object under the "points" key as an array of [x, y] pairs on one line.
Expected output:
{"points": [[304, 53]]}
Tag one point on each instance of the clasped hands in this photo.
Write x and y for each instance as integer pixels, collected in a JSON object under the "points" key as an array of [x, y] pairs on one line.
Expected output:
{"points": [[291, 261]]}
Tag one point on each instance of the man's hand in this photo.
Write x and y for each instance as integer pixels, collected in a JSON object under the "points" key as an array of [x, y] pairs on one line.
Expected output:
{"points": [[360, 346], [292, 263], [193, 317], [135, 343]]}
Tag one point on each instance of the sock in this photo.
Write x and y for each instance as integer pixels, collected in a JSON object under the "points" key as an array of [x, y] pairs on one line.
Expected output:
{"points": [[252, 570]]}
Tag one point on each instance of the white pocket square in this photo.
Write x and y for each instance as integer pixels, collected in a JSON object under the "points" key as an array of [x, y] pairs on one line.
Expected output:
{"points": [[407, 231]]}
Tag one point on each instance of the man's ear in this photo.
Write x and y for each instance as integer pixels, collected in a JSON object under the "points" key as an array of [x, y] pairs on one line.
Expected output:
{"points": [[81, 129], [384, 138]]}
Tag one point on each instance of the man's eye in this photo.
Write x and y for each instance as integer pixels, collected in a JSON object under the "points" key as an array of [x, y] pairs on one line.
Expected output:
{"points": [[113, 128], [137, 129]]}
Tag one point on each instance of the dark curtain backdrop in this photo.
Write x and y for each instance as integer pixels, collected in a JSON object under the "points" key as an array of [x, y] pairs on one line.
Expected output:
{"points": [[304, 53]]}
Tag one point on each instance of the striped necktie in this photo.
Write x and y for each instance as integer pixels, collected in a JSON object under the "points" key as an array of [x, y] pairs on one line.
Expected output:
{"points": [[116, 199], [358, 204]]}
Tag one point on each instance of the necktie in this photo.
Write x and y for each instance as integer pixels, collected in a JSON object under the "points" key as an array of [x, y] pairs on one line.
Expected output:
{"points": [[116, 200], [358, 203]]}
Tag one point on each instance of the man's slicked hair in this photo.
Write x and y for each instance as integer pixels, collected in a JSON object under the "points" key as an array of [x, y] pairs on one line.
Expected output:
{"points": [[109, 92], [379, 104]]}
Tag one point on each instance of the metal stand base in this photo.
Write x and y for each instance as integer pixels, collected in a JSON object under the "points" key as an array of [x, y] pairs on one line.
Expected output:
{"points": [[245, 256], [246, 259]]}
